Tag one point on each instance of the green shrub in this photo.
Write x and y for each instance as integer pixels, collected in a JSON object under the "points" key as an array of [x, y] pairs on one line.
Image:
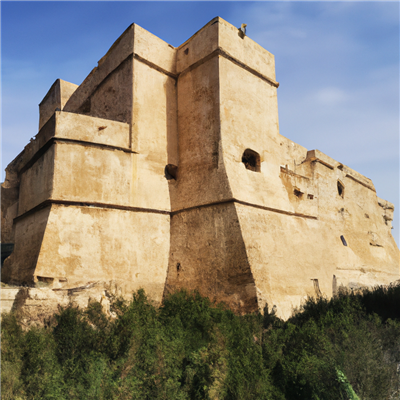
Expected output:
{"points": [[12, 342], [41, 373], [189, 348]]}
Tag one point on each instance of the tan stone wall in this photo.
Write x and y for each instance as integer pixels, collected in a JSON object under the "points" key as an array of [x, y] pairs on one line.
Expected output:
{"points": [[199, 46], [208, 254], [87, 202], [90, 244], [119, 51], [245, 50], [94, 175], [285, 254], [57, 97], [36, 182], [201, 174], [20, 266], [93, 130], [112, 98], [7, 299], [9, 210], [154, 136]]}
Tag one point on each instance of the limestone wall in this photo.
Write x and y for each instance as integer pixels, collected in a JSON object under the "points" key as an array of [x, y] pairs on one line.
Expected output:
{"points": [[19, 267], [165, 169], [91, 244], [56, 98], [208, 254], [201, 171]]}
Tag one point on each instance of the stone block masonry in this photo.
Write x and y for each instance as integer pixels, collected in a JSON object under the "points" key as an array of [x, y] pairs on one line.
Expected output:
{"points": [[165, 169]]}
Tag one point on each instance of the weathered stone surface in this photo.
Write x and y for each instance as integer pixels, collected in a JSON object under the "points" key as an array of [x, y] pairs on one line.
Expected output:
{"points": [[36, 305], [8, 296], [56, 98], [165, 169]]}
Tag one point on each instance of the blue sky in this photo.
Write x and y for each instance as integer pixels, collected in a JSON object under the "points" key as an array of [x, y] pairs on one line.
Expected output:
{"points": [[337, 64]]}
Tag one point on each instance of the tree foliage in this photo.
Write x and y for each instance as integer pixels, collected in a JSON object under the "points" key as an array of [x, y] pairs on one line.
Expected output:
{"points": [[347, 347]]}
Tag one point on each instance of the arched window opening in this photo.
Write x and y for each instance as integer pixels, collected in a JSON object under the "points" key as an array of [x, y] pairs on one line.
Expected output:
{"points": [[251, 160], [340, 188]]}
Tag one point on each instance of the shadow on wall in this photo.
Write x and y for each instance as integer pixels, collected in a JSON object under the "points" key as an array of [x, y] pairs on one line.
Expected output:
{"points": [[6, 250]]}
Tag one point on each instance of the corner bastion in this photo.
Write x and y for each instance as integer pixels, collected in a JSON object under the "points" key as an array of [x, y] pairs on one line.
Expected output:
{"points": [[165, 169]]}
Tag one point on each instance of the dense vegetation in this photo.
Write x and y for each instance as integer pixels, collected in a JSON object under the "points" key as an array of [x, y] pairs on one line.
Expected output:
{"points": [[344, 348]]}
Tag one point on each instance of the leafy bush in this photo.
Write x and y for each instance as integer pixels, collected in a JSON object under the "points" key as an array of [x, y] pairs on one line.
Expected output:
{"points": [[347, 347], [11, 358]]}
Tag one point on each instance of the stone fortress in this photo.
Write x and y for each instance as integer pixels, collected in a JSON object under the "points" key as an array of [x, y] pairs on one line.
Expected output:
{"points": [[165, 169]]}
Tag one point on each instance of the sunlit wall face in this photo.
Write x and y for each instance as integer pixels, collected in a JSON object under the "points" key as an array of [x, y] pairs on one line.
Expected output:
{"points": [[337, 64]]}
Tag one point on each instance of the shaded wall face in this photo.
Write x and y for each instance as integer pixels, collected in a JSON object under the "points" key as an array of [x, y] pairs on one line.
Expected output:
{"points": [[113, 67], [9, 209], [208, 254], [112, 98], [20, 266], [36, 182], [57, 97]]}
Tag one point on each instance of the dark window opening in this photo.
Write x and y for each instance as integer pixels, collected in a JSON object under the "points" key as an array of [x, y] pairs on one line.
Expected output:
{"points": [[178, 267], [6, 250], [340, 188], [43, 281], [171, 171], [298, 193], [310, 196], [251, 160], [186, 51], [343, 240]]}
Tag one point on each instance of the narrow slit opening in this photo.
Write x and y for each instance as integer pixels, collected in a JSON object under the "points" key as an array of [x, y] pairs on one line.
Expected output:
{"points": [[340, 188]]}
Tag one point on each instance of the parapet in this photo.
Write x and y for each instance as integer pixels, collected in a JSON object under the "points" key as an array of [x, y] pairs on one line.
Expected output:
{"points": [[55, 99], [218, 36]]}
